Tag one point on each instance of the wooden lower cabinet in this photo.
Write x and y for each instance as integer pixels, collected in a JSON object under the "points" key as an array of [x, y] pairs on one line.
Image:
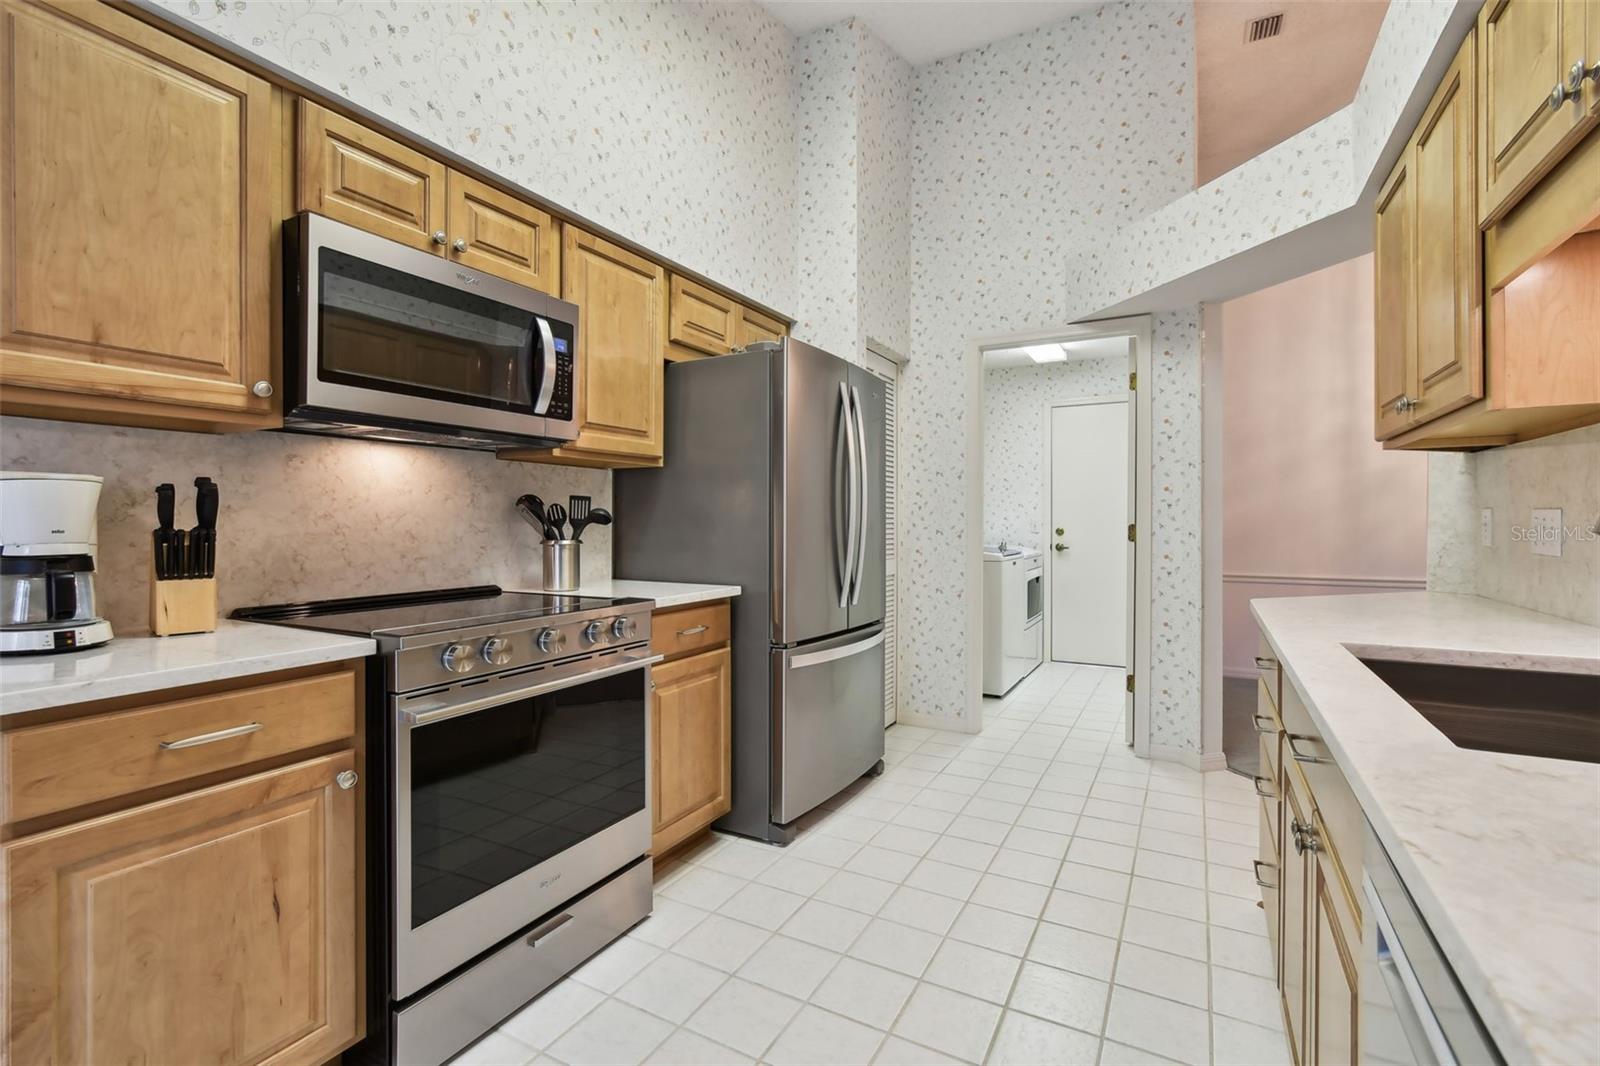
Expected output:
{"points": [[217, 926], [1334, 937], [1294, 901], [691, 723]]}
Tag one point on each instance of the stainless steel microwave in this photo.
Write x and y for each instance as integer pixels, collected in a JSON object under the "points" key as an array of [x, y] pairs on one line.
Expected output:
{"points": [[390, 342]]}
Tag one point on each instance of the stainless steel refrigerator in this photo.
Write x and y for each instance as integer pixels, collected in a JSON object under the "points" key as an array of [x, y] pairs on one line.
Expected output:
{"points": [[774, 481]]}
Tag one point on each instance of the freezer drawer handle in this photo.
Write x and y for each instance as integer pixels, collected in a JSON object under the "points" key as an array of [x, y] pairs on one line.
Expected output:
{"points": [[548, 929], [816, 658]]}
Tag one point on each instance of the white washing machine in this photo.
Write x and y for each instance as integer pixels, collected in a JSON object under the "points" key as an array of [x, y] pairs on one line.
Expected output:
{"points": [[1013, 617]]}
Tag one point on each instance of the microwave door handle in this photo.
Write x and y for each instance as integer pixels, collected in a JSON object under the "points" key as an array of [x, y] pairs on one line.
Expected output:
{"points": [[547, 379], [444, 712]]}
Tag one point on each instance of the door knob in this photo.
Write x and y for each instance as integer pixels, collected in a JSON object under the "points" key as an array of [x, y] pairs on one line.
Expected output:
{"points": [[1060, 547]]}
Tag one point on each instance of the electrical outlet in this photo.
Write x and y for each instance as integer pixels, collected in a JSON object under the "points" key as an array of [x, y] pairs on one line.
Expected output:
{"points": [[1547, 531], [1486, 527]]}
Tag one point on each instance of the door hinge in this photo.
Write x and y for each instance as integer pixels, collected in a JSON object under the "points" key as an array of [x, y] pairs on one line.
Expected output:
{"points": [[1132, 530], [1133, 381], [1130, 682]]}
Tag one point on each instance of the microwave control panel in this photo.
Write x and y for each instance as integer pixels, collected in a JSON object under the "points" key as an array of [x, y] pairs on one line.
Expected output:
{"points": [[561, 396]]}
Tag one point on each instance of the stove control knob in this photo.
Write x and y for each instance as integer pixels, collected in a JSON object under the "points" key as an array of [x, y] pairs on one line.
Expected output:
{"points": [[593, 631], [457, 658], [497, 651], [551, 640], [622, 628]]}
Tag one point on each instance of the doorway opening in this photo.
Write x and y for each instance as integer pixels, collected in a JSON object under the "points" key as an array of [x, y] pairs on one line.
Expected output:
{"points": [[1059, 437]]}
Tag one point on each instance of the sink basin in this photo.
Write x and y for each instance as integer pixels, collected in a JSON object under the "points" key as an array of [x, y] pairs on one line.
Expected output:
{"points": [[1519, 712]]}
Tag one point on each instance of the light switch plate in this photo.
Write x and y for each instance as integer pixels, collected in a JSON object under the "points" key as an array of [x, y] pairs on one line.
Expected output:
{"points": [[1486, 527], [1547, 531]]}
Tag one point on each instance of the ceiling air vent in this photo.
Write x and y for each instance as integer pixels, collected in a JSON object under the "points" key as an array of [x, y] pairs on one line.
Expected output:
{"points": [[1262, 28]]}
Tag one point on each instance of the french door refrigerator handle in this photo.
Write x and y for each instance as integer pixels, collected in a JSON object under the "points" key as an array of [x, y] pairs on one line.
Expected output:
{"points": [[852, 493], [815, 658], [863, 481]]}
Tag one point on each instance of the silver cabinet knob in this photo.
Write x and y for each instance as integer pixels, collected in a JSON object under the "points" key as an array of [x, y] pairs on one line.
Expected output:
{"points": [[1592, 73], [1405, 403], [346, 779], [459, 245], [1560, 95], [1575, 75], [592, 631], [439, 236], [457, 658], [262, 389], [497, 651]]}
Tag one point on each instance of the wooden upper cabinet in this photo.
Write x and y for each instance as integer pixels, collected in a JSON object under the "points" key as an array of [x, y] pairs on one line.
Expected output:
{"points": [[755, 327], [622, 307], [1394, 277], [691, 721], [499, 234], [137, 213], [1448, 371], [219, 926], [704, 322], [356, 175], [1591, 55], [1528, 49]]}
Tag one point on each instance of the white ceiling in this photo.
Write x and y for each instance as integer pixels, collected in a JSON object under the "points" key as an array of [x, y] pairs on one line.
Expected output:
{"points": [[1095, 348], [925, 30]]}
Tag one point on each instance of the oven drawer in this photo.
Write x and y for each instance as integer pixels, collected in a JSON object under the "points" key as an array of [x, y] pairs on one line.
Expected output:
{"points": [[689, 629], [441, 1023], [56, 767]]}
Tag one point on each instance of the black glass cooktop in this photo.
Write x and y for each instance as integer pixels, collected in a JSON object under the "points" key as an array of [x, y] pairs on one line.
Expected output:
{"points": [[432, 611]]}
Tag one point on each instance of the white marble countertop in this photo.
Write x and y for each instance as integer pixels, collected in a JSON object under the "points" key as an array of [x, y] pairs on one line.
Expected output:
{"points": [[665, 593], [130, 665], [1499, 851]]}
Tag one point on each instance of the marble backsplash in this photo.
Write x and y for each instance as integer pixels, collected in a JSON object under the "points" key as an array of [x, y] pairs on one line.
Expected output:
{"points": [[308, 517], [1557, 471]]}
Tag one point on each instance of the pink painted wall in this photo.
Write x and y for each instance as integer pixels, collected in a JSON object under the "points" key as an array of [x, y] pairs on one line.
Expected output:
{"points": [[1307, 493]]}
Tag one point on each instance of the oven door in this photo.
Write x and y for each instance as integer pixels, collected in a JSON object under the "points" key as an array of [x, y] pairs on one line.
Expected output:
{"points": [[511, 796], [396, 336]]}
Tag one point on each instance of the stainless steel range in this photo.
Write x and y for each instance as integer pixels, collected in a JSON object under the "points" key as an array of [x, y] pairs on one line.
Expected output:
{"points": [[507, 736]]}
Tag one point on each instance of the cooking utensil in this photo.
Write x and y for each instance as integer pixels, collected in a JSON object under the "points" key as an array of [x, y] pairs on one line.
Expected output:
{"points": [[599, 517], [558, 518], [203, 538], [578, 513], [166, 502], [533, 512]]}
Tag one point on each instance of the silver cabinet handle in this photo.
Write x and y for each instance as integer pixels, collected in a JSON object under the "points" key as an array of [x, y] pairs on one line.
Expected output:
{"points": [[459, 244], [1259, 781], [1300, 756], [1266, 662], [211, 738], [692, 631], [548, 929], [346, 779], [262, 389], [439, 236], [1270, 727], [1258, 864]]}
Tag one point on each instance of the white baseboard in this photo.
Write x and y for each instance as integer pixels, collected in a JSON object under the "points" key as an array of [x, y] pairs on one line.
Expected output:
{"points": [[1194, 760], [973, 723]]}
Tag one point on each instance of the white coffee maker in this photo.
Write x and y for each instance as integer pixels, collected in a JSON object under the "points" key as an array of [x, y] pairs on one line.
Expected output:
{"points": [[48, 539]]}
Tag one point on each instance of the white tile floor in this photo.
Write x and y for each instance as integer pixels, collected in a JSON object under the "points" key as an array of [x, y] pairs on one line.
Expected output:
{"points": [[1031, 894]]}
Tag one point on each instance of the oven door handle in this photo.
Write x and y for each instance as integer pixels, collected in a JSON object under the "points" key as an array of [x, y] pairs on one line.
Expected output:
{"points": [[444, 712]]}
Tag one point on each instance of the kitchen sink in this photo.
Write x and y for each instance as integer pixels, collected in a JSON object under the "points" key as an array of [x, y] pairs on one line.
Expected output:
{"points": [[1519, 712]]}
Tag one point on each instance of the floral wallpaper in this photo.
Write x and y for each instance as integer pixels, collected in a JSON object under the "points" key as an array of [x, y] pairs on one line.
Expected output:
{"points": [[1410, 33], [884, 194], [1009, 170], [671, 123], [1015, 400], [299, 513], [826, 103]]}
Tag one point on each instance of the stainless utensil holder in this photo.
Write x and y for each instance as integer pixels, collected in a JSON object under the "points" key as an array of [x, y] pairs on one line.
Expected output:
{"points": [[561, 569]]}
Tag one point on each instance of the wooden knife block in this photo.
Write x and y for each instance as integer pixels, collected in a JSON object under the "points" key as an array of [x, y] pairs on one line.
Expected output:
{"points": [[188, 605]]}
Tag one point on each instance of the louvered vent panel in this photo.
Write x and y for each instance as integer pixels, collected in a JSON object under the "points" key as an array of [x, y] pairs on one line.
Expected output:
{"points": [[890, 374], [1264, 27]]}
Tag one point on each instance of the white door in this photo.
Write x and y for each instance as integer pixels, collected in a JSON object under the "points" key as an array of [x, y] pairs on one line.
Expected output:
{"points": [[889, 371], [1088, 542]]}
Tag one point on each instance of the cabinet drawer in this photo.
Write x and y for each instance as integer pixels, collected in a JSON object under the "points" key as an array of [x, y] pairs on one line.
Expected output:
{"points": [[62, 765], [701, 319], [1333, 804], [687, 629]]}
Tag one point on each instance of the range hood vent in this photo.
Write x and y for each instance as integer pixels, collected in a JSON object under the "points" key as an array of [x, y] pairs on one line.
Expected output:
{"points": [[1262, 28]]}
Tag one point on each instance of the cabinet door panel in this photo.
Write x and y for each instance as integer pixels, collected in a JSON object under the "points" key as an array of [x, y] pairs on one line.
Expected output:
{"points": [[1527, 47], [503, 235], [1394, 275], [703, 320], [691, 719], [219, 926], [1334, 1024], [358, 176], [755, 327], [136, 210], [621, 301], [1295, 901], [1449, 261]]}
